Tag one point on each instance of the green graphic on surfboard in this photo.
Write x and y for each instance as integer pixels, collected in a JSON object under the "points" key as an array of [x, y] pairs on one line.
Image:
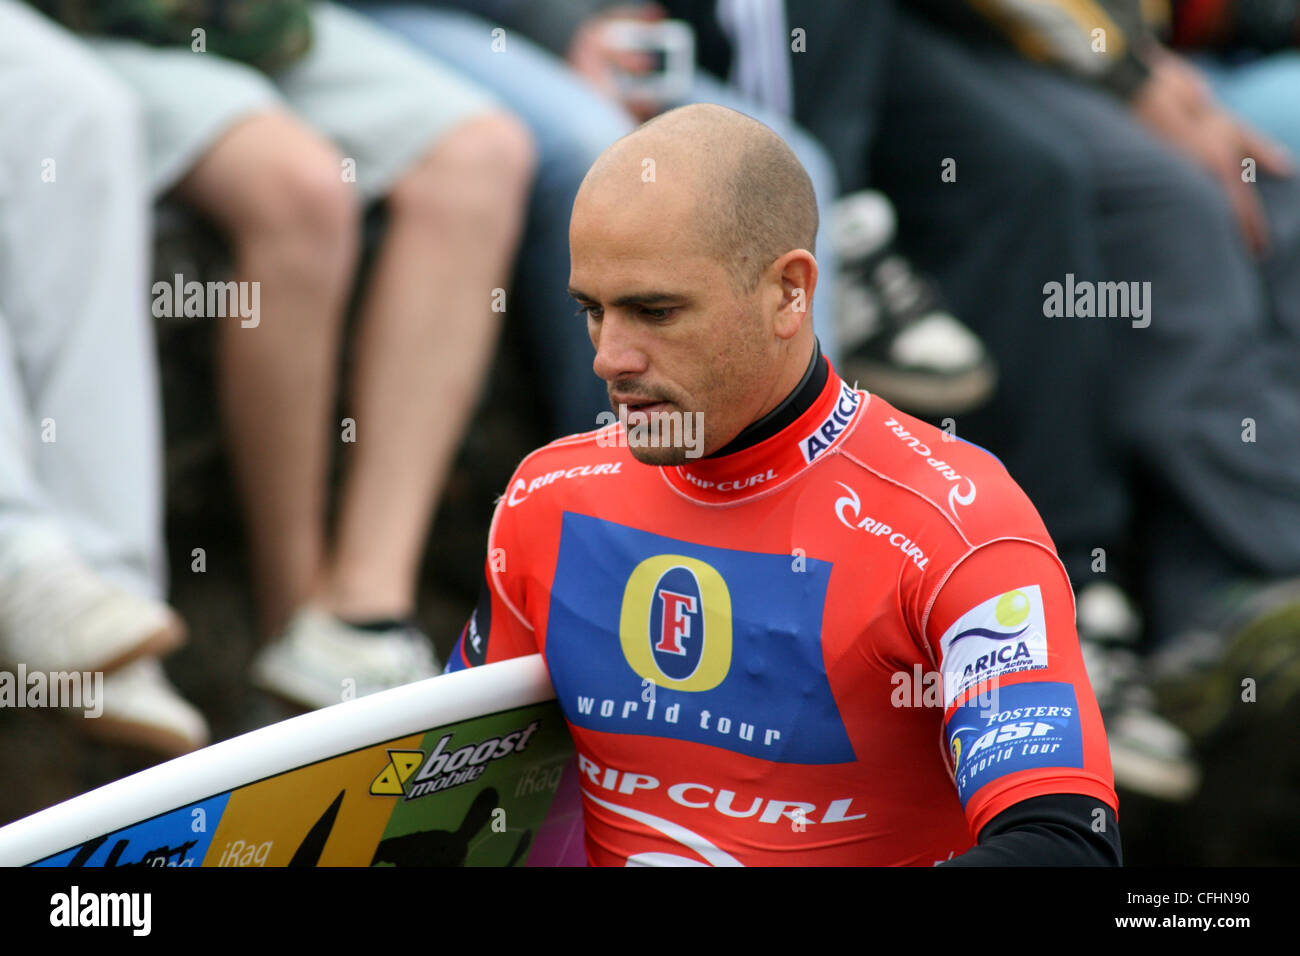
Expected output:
{"points": [[492, 821]]}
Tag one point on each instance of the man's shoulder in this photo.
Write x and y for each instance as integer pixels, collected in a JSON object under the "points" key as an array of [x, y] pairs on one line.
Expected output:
{"points": [[961, 483], [580, 457]]}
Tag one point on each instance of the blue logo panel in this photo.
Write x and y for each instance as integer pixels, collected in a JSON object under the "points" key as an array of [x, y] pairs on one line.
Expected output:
{"points": [[166, 840], [1031, 725], [658, 637]]}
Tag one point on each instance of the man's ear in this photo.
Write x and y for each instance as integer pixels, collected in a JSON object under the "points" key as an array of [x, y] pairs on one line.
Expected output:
{"points": [[797, 273]]}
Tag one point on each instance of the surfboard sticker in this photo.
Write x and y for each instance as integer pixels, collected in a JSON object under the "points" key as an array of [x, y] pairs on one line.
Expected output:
{"points": [[499, 789]]}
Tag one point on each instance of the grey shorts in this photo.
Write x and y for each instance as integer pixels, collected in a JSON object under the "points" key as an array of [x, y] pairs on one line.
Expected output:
{"points": [[378, 99]]}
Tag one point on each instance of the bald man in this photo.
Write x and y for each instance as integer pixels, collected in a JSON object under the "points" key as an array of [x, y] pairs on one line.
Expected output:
{"points": [[786, 623]]}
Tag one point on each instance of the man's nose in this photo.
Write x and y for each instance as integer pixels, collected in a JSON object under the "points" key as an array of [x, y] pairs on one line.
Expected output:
{"points": [[619, 352]]}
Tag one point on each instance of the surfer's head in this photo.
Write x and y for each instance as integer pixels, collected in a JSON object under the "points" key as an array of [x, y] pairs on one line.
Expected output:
{"points": [[691, 245]]}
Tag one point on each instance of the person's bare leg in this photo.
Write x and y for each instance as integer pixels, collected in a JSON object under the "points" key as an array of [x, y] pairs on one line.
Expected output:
{"points": [[427, 335], [276, 189]]}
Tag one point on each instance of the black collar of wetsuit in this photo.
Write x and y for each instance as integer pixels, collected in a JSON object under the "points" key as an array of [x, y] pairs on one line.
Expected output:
{"points": [[794, 405]]}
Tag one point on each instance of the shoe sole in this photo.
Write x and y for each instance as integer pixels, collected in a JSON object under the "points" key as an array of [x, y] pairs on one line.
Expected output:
{"points": [[1138, 771], [922, 394], [117, 731], [284, 683], [160, 643]]}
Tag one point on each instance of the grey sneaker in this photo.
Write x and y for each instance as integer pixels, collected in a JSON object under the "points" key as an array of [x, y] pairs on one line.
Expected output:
{"points": [[1148, 754], [319, 660]]}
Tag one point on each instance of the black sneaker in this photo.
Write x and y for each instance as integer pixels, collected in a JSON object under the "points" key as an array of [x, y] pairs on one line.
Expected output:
{"points": [[896, 337], [1148, 754]]}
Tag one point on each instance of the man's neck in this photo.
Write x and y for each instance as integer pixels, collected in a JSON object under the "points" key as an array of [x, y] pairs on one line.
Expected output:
{"points": [[791, 407], [818, 414]]}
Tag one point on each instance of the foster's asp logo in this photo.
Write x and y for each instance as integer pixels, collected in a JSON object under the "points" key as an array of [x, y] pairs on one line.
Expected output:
{"points": [[1036, 726]]}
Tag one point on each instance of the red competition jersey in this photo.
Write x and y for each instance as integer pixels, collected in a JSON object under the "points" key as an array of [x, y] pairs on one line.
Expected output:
{"points": [[851, 643]]}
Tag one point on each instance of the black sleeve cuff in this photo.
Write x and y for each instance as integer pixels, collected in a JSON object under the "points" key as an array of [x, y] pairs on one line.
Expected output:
{"points": [[1060, 829]]}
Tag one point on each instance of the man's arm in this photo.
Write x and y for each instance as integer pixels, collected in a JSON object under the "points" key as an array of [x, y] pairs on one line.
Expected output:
{"points": [[1176, 105], [498, 629], [1109, 43], [1023, 734]]}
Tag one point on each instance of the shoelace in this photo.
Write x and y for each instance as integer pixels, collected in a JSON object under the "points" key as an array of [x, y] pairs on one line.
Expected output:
{"points": [[905, 295]]}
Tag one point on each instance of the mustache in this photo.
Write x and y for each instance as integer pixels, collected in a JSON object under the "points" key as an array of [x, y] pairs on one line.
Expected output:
{"points": [[634, 396]]}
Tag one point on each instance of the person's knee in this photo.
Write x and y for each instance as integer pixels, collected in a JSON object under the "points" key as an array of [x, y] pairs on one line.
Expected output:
{"points": [[306, 197], [285, 194], [478, 172]]}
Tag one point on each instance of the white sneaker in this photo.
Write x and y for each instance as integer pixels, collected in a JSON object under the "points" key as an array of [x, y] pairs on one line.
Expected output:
{"points": [[58, 614], [319, 660], [142, 708]]}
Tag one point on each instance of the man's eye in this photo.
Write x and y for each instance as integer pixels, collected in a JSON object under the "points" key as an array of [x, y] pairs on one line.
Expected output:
{"points": [[589, 311], [657, 313]]}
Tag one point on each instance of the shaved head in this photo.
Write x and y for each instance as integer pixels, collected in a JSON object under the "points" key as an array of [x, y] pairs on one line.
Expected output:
{"points": [[751, 200], [691, 256]]}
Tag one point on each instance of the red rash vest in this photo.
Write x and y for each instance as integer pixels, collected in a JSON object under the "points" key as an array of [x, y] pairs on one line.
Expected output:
{"points": [[850, 643]]}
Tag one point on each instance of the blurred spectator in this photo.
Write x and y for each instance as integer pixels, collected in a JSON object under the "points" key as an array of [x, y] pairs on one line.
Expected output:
{"points": [[275, 120], [1250, 54], [1134, 176], [81, 556], [896, 336], [566, 88]]}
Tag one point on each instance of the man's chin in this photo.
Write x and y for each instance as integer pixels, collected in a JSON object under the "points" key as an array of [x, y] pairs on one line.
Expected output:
{"points": [[662, 434], [661, 457]]}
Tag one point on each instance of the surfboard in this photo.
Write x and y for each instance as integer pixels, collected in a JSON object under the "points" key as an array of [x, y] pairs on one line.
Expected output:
{"points": [[474, 768]]}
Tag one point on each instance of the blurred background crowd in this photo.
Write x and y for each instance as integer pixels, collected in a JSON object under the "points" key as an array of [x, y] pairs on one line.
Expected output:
{"points": [[327, 245]]}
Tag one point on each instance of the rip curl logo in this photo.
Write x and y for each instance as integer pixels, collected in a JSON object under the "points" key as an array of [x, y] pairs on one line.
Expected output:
{"points": [[521, 489], [963, 490], [955, 499], [874, 527]]}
